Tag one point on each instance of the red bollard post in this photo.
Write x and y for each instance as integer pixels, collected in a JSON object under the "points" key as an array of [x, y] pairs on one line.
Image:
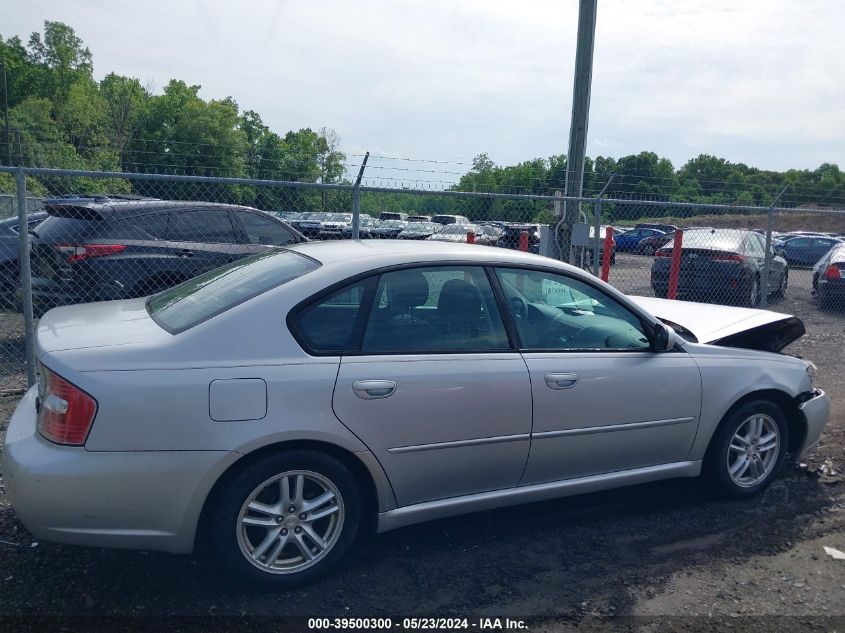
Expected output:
{"points": [[675, 265], [470, 237], [605, 256], [523, 241]]}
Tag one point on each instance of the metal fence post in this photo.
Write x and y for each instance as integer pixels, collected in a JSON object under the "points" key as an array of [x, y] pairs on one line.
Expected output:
{"points": [[767, 262], [356, 200], [356, 213], [596, 236], [25, 277]]}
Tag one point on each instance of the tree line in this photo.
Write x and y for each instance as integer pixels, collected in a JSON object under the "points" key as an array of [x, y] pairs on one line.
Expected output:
{"points": [[65, 118]]}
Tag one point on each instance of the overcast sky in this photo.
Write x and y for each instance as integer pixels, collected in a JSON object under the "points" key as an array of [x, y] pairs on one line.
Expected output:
{"points": [[754, 81]]}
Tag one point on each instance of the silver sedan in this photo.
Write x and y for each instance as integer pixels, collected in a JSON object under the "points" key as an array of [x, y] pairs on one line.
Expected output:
{"points": [[276, 407]]}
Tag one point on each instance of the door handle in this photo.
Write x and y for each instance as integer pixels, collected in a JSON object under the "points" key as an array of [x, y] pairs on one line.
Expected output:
{"points": [[561, 381], [373, 389]]}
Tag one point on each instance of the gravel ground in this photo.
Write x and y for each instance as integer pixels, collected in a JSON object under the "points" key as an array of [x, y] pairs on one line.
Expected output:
{"points": [[666, 554]]}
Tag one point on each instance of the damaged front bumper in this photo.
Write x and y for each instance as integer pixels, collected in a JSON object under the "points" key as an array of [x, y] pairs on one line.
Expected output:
{"points": [[815, 407]]}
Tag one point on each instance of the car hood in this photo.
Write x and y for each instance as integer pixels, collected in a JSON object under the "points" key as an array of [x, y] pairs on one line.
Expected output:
{"points": [[725, 325], [91, 325]]}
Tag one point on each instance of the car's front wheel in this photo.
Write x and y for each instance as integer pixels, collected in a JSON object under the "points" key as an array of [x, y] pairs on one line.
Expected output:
{"points": [[748, 449], [286, 518]]}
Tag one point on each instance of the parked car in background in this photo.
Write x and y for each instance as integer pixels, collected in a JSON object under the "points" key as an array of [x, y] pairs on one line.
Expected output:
{"points": [[419, 230], [388, 229], [649, 245], [99, 251], [806, 250], [629, 241], [419, 218], [10, 241], [722, 266], [459, 232], [268, 412], [511, 235], [389, 215], [449, 219], [666, 228], [291, 217], [311, 224], [334, 224], [829, 279], [366, 224]]}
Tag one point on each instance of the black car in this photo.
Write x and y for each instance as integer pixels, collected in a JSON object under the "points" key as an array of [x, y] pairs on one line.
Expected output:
{"points": [[388, 215], [419, 230], [9, 254], [96, 251], [829, 278], [511, 234], [388, 229], [720, 265], [806, 250]]}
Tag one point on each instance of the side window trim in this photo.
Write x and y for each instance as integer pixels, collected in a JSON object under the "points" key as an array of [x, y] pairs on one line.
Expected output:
{"points": [[357, 335]]}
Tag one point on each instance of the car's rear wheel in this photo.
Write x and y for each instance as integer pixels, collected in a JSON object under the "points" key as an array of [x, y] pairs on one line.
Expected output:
{"points": [[649, 250], [748, 449], [781, 291], [286, 518]]}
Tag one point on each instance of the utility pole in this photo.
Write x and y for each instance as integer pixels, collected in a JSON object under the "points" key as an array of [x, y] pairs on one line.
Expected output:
{"points": [[6, 110], [587, 10]]}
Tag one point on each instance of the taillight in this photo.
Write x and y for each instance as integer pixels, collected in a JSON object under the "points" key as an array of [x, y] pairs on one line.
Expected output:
{"points": [[662, 253], [66, 412], [833, 272], [721, 256], [77, 253]]}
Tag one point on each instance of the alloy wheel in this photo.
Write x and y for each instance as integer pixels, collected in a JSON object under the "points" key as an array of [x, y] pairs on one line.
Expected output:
{"points": [[754, 450], [290, 522]]}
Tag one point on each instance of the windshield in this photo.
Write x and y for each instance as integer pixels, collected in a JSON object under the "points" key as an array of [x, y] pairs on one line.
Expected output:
{"points": [[201, 298]]}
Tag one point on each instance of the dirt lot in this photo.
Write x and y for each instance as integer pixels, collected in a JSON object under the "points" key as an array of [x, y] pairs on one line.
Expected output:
{"points": [[665, 553]]}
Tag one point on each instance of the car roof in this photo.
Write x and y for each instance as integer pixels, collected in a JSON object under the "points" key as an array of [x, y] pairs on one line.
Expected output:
{"points": [[109, 207], [351, 252]]}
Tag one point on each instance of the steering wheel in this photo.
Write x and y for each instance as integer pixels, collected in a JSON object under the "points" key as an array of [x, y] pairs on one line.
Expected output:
{"points": [[519, 307]]}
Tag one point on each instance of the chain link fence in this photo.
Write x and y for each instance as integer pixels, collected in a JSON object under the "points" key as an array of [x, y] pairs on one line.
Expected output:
{"points": [[98, 236]]}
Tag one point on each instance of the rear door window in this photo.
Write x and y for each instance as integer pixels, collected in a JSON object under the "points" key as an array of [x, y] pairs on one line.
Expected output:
{"points": [[148, 226], [434, 309], [213, 226], [264, 230]]}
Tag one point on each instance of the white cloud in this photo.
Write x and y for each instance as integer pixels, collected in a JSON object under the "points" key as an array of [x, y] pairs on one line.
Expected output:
{"points": [[757, 81]]}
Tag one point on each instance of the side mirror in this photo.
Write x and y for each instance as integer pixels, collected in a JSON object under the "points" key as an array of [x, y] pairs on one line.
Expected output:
{"points": [[664, 338]]}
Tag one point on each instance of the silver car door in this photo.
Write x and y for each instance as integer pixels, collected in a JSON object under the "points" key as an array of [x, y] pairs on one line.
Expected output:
{"points": [[435, 390], [603, 401]]}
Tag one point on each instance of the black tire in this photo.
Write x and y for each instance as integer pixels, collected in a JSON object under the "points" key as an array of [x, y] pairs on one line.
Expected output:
{"points": [[780, 293], [649, 250], [716, 466], [225, 532], [749, 295]]}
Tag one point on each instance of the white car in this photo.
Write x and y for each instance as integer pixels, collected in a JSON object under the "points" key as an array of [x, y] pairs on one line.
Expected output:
{"points": [[275, 407]]}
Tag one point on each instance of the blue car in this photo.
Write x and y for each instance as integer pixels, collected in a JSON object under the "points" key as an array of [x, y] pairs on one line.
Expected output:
{"points": [[628, 241], [806, 250]]}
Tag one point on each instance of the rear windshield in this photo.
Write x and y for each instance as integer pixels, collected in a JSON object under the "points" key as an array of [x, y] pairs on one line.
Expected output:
{"points": [[68, 230], [201, 298]]}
